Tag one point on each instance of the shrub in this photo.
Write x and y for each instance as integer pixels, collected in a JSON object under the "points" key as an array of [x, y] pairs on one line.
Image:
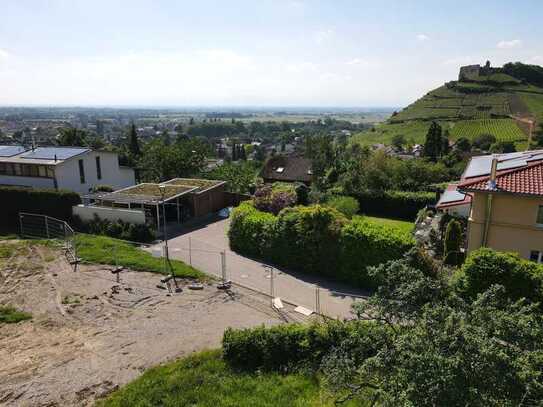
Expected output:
{"points": [[50, 202], [307, 239], [289, 347], [103, 188], [485, 267], [274, 199], [452, 243], [394, 204], [117, 229], [347, 205], [365, 244], [251, 231], [317, 240]]}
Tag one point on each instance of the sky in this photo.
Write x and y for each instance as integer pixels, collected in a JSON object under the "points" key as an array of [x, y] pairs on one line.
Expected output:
{"points": [[337, 53]]}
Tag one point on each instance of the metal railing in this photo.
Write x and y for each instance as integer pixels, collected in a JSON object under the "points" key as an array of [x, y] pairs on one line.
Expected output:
{"points": [[38, 226]]}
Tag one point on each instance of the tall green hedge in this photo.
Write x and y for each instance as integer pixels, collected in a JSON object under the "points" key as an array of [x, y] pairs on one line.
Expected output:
{"points": [[365, 244], [317, 240], [394, 204], [50, 202], [291, 346]]}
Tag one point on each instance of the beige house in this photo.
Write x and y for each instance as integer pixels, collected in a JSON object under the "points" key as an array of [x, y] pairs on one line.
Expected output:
{"points": [[507, 203]]}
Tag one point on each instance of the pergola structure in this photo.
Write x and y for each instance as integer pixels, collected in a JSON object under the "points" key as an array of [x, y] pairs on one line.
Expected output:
{"points": [[154, 195]]}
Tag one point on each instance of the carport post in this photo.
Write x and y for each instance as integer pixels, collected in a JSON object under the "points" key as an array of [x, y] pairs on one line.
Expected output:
{"points": [[157, 219], [178, 213]]}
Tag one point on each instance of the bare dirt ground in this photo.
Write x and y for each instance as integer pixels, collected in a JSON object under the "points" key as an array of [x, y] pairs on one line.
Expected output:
{"points": [[90, 335]]}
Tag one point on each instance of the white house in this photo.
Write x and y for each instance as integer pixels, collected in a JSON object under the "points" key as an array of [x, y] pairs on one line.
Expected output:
{"points": [[77, 169]]}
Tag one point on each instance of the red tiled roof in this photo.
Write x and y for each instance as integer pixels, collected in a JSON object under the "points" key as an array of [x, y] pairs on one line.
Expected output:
{"points": [[527, 180]]}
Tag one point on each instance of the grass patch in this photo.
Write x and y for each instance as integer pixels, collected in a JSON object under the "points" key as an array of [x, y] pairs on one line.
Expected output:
{"points": [[11, 315], [205, 380], [399, 224], [104, 250]]}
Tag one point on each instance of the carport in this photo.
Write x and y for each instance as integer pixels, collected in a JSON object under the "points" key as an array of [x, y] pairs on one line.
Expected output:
{"points": [[179, 199]]}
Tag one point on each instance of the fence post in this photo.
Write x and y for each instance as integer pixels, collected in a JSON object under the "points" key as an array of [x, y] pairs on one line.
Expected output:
{"points": [[46, 226], [190, 251], [223, 266], [272, 291], [317, 300]]}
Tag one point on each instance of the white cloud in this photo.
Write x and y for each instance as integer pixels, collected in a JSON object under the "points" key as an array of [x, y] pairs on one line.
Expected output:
{"points": [[323, 36], [536, 59], [509, 44], [422, 37], [302, 67], [3, 54]]}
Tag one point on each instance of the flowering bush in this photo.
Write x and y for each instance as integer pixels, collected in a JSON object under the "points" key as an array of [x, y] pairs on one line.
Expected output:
{"points": [[269, 199]]}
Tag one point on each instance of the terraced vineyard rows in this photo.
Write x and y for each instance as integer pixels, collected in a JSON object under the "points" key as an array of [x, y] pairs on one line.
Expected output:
{"points": [[502, 129], [448, 104]]}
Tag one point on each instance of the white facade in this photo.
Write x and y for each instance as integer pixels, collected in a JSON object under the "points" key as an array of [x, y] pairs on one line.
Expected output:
{"points": [[80, 172], [68, 176]]}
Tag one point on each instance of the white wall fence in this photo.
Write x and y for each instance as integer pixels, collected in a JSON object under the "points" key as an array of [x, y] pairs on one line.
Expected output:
{"points": [[87, 212]]}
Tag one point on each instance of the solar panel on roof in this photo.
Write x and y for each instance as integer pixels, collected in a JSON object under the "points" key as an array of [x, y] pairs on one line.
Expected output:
{"points": [[478, 166], [536, 157], [451, 196], [10, 151], [49, 153], [507, 165]]}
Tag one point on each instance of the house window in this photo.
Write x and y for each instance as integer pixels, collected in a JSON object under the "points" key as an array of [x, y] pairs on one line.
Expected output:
{"points": [[81, 172], [537, 256], [539, 220], [98, 168]]}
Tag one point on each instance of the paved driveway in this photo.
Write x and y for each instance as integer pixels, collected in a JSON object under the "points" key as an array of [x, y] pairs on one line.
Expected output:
{"points": [[207, 241]]}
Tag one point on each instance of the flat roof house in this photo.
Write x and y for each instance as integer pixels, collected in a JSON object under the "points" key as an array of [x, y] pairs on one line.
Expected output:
{"points": [[179, 199], [507, 203], [78, 169]]}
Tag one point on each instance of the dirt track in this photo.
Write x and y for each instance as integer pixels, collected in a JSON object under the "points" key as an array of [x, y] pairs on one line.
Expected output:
{"points": [[90, 335]]}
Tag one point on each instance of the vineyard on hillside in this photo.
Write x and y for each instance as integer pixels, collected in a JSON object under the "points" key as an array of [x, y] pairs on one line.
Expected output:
{"points": [[502, 129]]}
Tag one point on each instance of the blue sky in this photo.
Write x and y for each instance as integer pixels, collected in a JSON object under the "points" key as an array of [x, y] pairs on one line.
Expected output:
{"points": [[258, 53]]}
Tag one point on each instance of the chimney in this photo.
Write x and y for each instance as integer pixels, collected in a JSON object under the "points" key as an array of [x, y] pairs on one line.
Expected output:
{"points": [[493, 169]]}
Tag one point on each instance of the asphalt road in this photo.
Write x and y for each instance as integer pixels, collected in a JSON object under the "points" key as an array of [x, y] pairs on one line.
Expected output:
{"points": [[206, 243]]}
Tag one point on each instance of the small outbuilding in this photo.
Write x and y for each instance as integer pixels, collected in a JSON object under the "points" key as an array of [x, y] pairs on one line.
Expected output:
{"points": [[178, 200]]}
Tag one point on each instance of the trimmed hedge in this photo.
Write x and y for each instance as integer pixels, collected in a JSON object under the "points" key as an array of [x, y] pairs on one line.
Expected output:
{"points": [[292, 346], [50, 202], [365, 244], [485, 267], [317, 240], [394, 204]]}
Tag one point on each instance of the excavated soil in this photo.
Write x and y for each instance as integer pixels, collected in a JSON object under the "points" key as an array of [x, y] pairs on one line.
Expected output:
{"points": [[89, 334]]}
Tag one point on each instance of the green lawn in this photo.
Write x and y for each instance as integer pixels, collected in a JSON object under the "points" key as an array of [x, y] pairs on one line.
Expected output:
{"points": [[11, 315], [104, 250], [205, 380], [400, 224]]}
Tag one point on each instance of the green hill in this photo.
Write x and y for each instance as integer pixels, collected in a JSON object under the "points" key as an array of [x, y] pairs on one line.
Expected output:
{"points": [[483, 100]]}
